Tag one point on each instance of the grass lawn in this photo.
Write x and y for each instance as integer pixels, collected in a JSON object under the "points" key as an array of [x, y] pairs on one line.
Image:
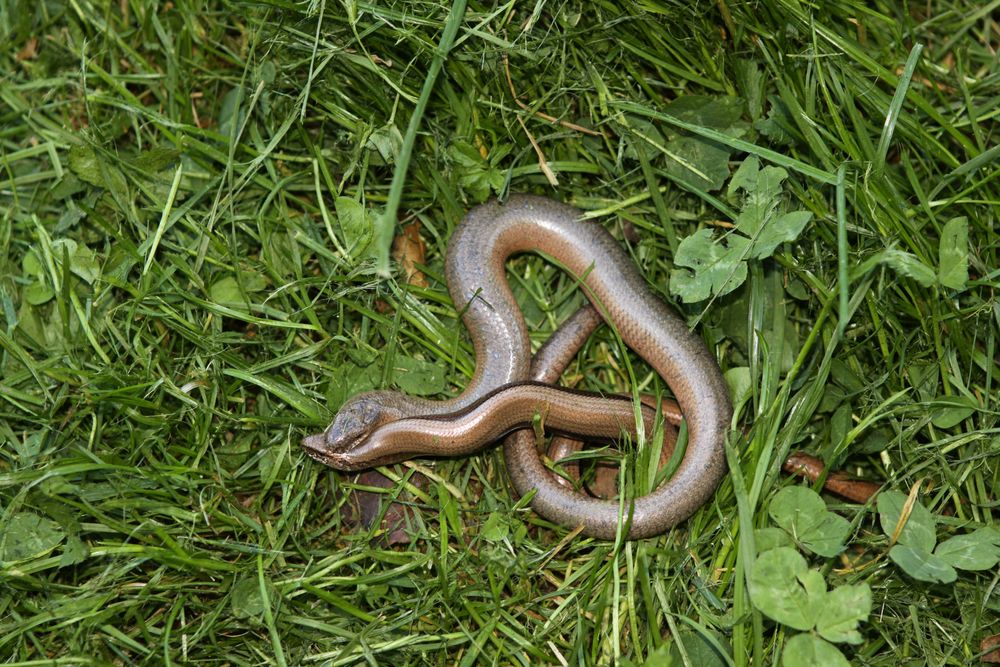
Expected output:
{"points": [[197, 202]]}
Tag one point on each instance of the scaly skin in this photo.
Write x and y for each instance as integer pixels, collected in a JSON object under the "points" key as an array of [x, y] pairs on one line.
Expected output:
{"points": [[487, 236]]}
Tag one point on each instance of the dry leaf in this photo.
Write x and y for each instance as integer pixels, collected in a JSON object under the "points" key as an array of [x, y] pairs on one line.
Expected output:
{"points": [[409, 250], [366, 508], [29, 52], [992, 645]]}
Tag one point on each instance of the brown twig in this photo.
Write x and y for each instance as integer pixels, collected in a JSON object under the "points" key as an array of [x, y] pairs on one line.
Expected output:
{"points": [[811, 468], [543, 164], [541, 114]]}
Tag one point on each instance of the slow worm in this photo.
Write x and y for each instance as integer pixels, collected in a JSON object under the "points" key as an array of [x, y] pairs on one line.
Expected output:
{"points": [[380, 427]]}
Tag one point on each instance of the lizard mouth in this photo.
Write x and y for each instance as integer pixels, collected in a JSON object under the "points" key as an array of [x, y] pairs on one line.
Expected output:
{"points": [[319, 449], [315, 446]]}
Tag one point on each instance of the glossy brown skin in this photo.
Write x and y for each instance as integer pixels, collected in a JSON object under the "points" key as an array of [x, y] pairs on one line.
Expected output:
{"points": [[511, 407], [488, 235]]}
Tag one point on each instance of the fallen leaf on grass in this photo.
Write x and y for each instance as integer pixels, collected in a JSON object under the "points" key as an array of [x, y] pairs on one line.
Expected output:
{"points": [[991, 649], [29, 51], [364, 508], [410, 251]]}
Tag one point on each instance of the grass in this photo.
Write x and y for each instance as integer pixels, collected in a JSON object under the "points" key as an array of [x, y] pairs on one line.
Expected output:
{"points": [[183, 297]]}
